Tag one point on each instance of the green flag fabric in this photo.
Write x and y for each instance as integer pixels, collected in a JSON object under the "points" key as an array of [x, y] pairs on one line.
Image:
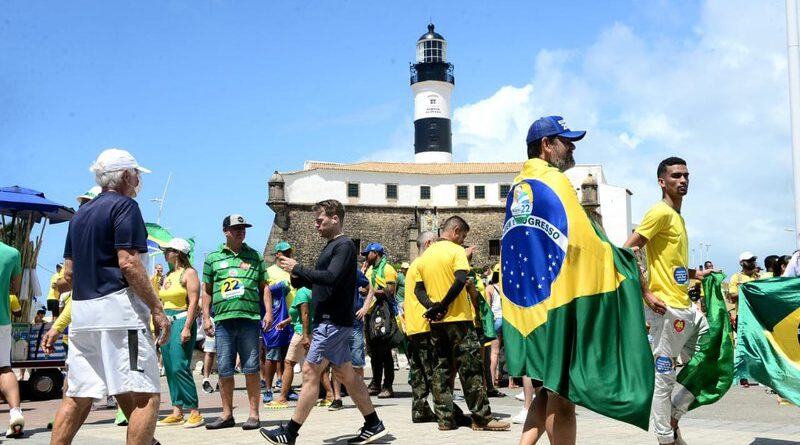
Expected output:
{"points": [[157, 237], [709, 374], [572, 304], [768, 334]]}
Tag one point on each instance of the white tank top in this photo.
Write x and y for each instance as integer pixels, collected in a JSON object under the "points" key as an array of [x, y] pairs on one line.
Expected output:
{"points": [[497, 308]]}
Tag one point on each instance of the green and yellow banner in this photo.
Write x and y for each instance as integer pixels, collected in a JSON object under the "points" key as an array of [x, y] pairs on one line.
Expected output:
{"points": [[572, 302], [768, 334]]}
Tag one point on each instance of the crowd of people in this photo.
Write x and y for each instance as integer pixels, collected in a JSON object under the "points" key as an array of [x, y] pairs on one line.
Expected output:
{"points": [[440, 310]]}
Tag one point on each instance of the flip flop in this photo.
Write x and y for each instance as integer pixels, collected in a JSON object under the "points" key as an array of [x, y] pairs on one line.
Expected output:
{"points": [[276, 405]]}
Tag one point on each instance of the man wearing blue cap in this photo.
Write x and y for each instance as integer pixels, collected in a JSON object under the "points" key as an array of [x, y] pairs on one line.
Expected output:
{"points": [[550, 144], [383, 278]]}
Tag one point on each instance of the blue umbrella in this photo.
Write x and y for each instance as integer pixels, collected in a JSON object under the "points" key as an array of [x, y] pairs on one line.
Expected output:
{"points": [[20, 202]]}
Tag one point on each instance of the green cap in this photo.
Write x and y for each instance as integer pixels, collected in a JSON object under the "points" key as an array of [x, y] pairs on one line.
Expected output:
{"points": [[282, 246]]}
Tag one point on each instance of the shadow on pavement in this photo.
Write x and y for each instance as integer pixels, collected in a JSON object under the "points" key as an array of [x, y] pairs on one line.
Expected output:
{"points": [[763, 441], [343, 439]]}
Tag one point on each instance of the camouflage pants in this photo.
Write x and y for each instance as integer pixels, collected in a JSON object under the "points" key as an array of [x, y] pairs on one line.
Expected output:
{"points": [[421, 360], [457, 349]]}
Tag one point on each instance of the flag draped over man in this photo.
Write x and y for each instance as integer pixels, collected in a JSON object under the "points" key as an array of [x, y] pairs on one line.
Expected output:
{"points": [[768, 341], [572, 304]]}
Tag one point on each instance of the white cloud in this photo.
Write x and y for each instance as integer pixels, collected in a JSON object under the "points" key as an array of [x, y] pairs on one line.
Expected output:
{"points": [[718, 98]]}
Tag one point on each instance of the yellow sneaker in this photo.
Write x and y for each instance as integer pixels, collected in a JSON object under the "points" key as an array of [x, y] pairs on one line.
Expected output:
{"points": [[171, 420], [194, 420], [324, 402]]}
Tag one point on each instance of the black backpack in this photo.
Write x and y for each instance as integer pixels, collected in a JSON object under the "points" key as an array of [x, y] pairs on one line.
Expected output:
{"points": [[382, 328]]}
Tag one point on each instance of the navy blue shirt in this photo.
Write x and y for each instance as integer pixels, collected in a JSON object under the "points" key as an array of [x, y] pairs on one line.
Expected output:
{"points": [[358, 302], [109, 222]]}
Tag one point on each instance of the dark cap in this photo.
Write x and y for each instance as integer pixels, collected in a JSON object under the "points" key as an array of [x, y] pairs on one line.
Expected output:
{"points": [[234, 220]]}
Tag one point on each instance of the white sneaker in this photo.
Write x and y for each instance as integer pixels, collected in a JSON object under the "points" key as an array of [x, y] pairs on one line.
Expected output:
{"points": [[520, 417], [520, 396], [15, 425]]}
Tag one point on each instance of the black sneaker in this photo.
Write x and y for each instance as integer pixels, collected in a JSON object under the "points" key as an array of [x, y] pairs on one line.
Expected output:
{"points": [[280, 435], [207, 386], [336, 405], [369, 434]]}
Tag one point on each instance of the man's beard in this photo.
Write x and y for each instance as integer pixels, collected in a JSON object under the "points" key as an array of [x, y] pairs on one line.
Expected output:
{"points": [[564, 163]]}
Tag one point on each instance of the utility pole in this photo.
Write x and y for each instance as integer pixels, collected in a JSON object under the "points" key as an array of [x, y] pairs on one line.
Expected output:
{"points": [[793, 51]]}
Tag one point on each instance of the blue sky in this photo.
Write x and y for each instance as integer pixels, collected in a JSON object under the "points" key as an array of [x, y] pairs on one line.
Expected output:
{"points": [[222, 93]]}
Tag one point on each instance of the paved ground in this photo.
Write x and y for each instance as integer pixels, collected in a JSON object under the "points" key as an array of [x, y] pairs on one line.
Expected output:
{"points": [[744, 416]]}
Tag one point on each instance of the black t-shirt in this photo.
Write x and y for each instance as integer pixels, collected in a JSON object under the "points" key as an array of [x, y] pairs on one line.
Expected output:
{"points": [[332, 282], [109, 222]]}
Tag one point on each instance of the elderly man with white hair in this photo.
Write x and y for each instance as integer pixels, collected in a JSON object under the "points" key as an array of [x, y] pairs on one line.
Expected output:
{"points": [[111, 348]]}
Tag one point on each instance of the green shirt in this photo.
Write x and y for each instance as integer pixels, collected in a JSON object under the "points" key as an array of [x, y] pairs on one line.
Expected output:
{"points": [[302, 296], [400, 291], [10, 266], [235, 279]]}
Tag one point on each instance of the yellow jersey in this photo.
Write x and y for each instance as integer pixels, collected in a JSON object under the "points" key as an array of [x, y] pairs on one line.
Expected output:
{"points": [[173, 294], [437, 267], [738, 279], [54, 294], [667, 254], [276, 275], [413, 310]]}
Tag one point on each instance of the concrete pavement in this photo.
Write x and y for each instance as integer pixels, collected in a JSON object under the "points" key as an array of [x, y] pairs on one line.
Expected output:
{"points": [[744, 416]]}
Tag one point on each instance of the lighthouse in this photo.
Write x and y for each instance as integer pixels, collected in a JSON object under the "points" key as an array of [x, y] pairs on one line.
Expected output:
{"points": [[432, 82]]}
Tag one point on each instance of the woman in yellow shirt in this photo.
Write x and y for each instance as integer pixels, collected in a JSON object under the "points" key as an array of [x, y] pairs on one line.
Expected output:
{"points": [[180, 294]]}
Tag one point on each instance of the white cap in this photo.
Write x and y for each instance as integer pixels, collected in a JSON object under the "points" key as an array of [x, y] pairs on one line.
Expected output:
{"points": [[91, 194], [179, 244], [115, 159], [746, 255]]}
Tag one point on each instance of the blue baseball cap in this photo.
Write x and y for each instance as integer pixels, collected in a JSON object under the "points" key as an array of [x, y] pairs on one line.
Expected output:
{"points": [[552, 126], [372, 247]]}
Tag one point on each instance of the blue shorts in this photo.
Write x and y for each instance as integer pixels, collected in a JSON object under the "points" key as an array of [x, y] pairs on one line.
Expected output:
{"points": [[357, 348], [277, 354], [237, 336], [330, 342]]}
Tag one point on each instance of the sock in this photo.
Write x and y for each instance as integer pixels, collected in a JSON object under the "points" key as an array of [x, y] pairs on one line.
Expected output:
{"points": [[293, 427], [15, 411], [371, 419]]}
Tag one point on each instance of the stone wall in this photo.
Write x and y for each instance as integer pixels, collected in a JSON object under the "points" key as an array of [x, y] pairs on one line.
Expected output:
{"points": [[394, 227]]}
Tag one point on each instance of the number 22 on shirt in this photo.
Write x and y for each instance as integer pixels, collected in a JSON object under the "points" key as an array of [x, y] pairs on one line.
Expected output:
{"points": [[231, 288]]}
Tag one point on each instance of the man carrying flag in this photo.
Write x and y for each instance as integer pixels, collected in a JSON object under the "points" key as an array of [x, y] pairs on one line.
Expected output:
{"points": [[572, 305], [675, 323]]}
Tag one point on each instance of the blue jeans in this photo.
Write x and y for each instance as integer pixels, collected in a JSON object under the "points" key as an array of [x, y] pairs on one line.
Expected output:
{"points": [[237, 336]]}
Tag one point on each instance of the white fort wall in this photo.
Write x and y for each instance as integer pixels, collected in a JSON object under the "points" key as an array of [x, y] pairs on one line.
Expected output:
{"points": [[310, 186]]}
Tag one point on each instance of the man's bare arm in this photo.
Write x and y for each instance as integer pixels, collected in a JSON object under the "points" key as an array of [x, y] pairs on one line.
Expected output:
{"points": [[636, 241], [136, 276]]}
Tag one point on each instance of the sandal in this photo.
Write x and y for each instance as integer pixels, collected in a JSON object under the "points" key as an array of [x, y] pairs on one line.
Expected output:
{"points": [[276, 405]]}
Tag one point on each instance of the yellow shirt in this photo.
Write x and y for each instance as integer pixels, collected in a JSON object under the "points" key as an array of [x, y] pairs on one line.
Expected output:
{"points": [[54, 293], [667, 254], [65, 317], [14, 303], [738, 279], [275, 275], [437, 267], [389, 277], [173, 294], [413, 309]]}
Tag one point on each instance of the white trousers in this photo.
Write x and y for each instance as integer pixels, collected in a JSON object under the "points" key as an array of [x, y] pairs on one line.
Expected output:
{"points": [[678, 332]]}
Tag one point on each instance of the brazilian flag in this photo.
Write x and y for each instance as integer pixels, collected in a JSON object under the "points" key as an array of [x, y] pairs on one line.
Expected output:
{"points": [[709, 374], [572, 303], [767, 336], [157, 237]]}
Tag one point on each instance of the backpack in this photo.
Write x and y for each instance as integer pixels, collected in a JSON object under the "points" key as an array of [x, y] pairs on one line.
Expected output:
{"points": [[382, 328]]}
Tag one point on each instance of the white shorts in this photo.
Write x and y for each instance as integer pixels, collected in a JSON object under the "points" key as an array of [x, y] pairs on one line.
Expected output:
{"points": [[210, 344], [5, 346], [107, 363]]}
